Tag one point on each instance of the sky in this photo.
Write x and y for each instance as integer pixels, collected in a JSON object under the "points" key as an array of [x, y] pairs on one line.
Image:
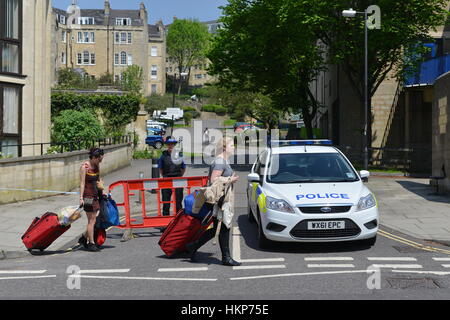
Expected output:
{"points": [[203, 10]]}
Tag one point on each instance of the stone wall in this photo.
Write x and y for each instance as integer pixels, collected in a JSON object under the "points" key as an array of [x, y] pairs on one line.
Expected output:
{"points": [[441, 131], [58, 172]]}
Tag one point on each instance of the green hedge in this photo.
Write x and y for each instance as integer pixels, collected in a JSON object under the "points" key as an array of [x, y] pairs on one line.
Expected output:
{"points": [[218, 109], [117, 111]]}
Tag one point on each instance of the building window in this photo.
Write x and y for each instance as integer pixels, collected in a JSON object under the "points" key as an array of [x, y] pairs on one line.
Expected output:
{"points": [[64, 36], [123, 22], [123, 38], [154, 51], [154, 72], [86, 58], [130, 60], [10, 36], [63, 58], [154, 88], [116, 59], [123, 58], [62, 19], [86, 37], [10, 109], [86, 20]]}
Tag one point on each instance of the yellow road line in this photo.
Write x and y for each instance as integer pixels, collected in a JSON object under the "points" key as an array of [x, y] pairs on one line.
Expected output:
{"points": [[412, 243]]}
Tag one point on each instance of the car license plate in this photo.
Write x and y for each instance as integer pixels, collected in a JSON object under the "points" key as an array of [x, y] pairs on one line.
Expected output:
{"points": [[326, 225]]}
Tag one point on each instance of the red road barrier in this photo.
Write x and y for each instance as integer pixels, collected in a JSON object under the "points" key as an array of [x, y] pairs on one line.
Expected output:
{"points": [[144, 185]]}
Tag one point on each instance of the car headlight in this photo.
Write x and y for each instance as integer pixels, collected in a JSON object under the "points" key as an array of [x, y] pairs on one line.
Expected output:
{"points": [[366, 202], [278, 205]]}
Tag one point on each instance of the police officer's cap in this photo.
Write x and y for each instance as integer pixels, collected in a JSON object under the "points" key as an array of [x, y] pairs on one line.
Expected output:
{"points": [[171, 139]]}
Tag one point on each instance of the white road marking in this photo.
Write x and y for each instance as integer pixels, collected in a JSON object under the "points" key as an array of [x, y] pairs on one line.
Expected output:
{"points": [[182, 269], [22, 271], [441, 259], [303, 274], [439, 273], [140, 278], [237, 250], [331, 265], [236, 244], [329, 259], [263, 260], [105, 271], [391, 259], [397, 266], [281, 266], [29, 277], [446, 265]]}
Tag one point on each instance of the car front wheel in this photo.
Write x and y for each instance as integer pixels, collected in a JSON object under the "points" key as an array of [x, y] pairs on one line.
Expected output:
{"points": [[158, 145]]}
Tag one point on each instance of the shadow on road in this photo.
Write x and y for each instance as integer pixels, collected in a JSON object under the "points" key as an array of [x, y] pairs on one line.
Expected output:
{"points": [[250, 235], [425, 191]]}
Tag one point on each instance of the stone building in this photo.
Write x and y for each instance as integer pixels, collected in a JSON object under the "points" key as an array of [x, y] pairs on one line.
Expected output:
{"points": [[107, 41], [25, 45]]}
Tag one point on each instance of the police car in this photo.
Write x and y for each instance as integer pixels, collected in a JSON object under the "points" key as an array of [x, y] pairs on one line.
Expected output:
{"points": [[308, 191]]}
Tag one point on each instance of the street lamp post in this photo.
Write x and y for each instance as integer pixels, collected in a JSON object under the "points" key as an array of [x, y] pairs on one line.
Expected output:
{"points": [[376, 19]]}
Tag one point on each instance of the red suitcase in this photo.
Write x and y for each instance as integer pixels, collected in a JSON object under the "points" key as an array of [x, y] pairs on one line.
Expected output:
{"points": [[43, 232], [183, 229]]}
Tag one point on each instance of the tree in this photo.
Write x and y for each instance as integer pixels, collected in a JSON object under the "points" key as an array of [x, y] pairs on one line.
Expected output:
{"points": [[73, 125], [263, 49], [187, 42], [271, 46], [133, 80], [72, 79], [395, 49]]}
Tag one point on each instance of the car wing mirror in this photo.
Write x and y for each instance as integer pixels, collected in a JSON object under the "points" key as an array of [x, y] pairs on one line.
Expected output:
{"points": [[364, 174], [253, 177]]}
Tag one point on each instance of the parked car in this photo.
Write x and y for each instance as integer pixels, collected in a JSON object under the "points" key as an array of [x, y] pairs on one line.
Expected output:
{"points": [[308, 191], [155, 138]]}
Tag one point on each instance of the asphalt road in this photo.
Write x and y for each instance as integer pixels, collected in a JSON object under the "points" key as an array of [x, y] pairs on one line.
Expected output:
{"points": [[137, 269]]}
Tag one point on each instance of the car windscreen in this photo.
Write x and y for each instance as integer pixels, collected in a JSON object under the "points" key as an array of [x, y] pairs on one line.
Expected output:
{"points": [[310, 168]]}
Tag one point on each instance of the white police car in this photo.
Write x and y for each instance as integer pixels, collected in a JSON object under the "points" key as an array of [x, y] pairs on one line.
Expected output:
{"points": [[308, 191]]}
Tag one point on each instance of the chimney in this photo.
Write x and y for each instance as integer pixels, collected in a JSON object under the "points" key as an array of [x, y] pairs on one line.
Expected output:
{"points": [[107, 7], [143, 13]]}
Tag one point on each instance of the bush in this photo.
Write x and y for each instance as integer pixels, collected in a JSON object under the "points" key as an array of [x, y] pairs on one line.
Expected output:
{"points": [[147, 154], [221, 111], [187, 118], [158, 102], [188, 108], [73, 125], [209, 107]]}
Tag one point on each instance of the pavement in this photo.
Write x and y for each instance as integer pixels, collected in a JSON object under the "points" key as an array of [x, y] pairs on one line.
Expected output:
{"points": [[408, 205]]}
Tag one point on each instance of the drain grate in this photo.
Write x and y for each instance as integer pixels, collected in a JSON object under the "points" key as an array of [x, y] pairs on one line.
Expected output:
{"points": [[413, 283]]}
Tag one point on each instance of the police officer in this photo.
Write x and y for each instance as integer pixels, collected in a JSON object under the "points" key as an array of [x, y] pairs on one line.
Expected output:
{"points": [[169, 169]]}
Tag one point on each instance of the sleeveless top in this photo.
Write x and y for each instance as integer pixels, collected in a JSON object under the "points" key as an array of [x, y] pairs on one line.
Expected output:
{"points": [[90, 186]]}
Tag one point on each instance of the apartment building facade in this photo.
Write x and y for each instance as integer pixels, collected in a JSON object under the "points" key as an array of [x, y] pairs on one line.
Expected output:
{"points": [[25, 45], [108, 41]]}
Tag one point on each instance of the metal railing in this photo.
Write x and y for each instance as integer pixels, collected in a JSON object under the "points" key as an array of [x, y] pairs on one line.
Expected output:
{"points": [[60, 147], [414, 159]]}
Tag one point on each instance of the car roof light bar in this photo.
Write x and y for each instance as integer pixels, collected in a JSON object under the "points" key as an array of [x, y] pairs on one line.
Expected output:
{"points": [[280, 143]]}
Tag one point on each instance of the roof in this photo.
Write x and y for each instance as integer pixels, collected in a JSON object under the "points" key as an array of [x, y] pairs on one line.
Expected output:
{"points": [[301, 149], [154, 31], [100, 17]]}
